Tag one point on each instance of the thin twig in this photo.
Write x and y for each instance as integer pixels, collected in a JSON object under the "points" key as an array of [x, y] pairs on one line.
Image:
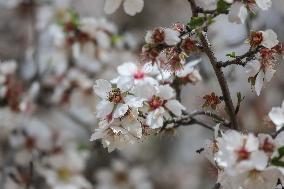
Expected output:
{"points": [[240, 60]]}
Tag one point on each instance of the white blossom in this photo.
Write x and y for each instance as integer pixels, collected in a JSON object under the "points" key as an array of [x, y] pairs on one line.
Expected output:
{"points": [[240, 153], [269, 39], [115, 100], [160, 100], [131, 7], [277, 116]]}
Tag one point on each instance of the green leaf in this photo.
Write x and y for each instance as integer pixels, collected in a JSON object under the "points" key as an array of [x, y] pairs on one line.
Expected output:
{"points": [[196, 22], [231, 55], [281, 151], [222, 6]]}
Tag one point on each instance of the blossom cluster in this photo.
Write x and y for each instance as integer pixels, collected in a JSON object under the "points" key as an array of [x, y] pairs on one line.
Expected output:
{"points": [[136, 103], [247, 160], [269, 51]]}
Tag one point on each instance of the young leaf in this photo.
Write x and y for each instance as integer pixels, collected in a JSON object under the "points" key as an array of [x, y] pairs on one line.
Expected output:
{"points": [[196, 22], [222, 6]]}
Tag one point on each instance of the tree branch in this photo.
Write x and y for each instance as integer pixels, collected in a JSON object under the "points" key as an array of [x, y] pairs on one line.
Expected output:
{"points": [[221, 79], [240, 60]]}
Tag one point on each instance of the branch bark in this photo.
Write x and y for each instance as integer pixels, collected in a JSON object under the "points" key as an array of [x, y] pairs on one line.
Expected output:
{"points": [[240, 60], [221, 79]]}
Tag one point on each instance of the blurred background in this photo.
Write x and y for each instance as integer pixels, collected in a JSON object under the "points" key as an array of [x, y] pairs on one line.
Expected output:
{"points": [[46, 126]]}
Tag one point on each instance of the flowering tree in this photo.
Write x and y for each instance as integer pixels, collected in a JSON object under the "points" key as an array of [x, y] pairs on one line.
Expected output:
{"points": [[145, 98], [62, 71]]}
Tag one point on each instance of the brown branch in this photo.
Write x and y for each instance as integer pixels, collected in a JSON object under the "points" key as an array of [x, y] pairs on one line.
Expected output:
{"points": [[240, 60], [189, 119], [218, 71], [221, 79]]}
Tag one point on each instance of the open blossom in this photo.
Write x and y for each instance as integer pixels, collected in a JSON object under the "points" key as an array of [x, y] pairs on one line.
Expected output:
{"points": [[239, 10], [131, 7], [159, 103], [63, 169], [119, 132], [163, 35], [240, 153], [277, 116], [267, 38], [187, 74], [115, 100], [138, 73], [242, 160]]}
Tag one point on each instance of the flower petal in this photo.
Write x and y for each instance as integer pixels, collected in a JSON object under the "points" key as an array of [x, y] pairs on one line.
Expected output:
{"points": [[102, 88], [132, 7], [269, 39], [259, 82], [111, 6], [166, 92], [175, 107], [104, 108], [127, 69], [120, 110]]}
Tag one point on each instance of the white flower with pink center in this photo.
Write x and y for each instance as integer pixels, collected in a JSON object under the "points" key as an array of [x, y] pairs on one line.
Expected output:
{"points": [[160, 103], [138, 73], [240, 153], [116, 100]]}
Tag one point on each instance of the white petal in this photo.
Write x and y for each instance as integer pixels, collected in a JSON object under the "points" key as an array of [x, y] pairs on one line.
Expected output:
{"points": [[277, 116], [97, 135], [171, 36], [263, 4], [252, 143], [166, 92], [133, 101], [127, 69], [238, 13], [111, 6], [260, 159], [148, 37], [102, 88], [133, 126], [269, 74], [145, 91], [269, 39], [104, 108], [125, 83], [259, 82], [120, 110], [155, 118], [252, 68], [175, 107], [132, 7]]}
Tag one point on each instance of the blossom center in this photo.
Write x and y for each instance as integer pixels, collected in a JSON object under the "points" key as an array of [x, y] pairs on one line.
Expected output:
{"points": [[256, 38], [158, 35], [139, 75], [243, 154], [115, 96], [64, 174], [156, 102], [267, 146]]}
